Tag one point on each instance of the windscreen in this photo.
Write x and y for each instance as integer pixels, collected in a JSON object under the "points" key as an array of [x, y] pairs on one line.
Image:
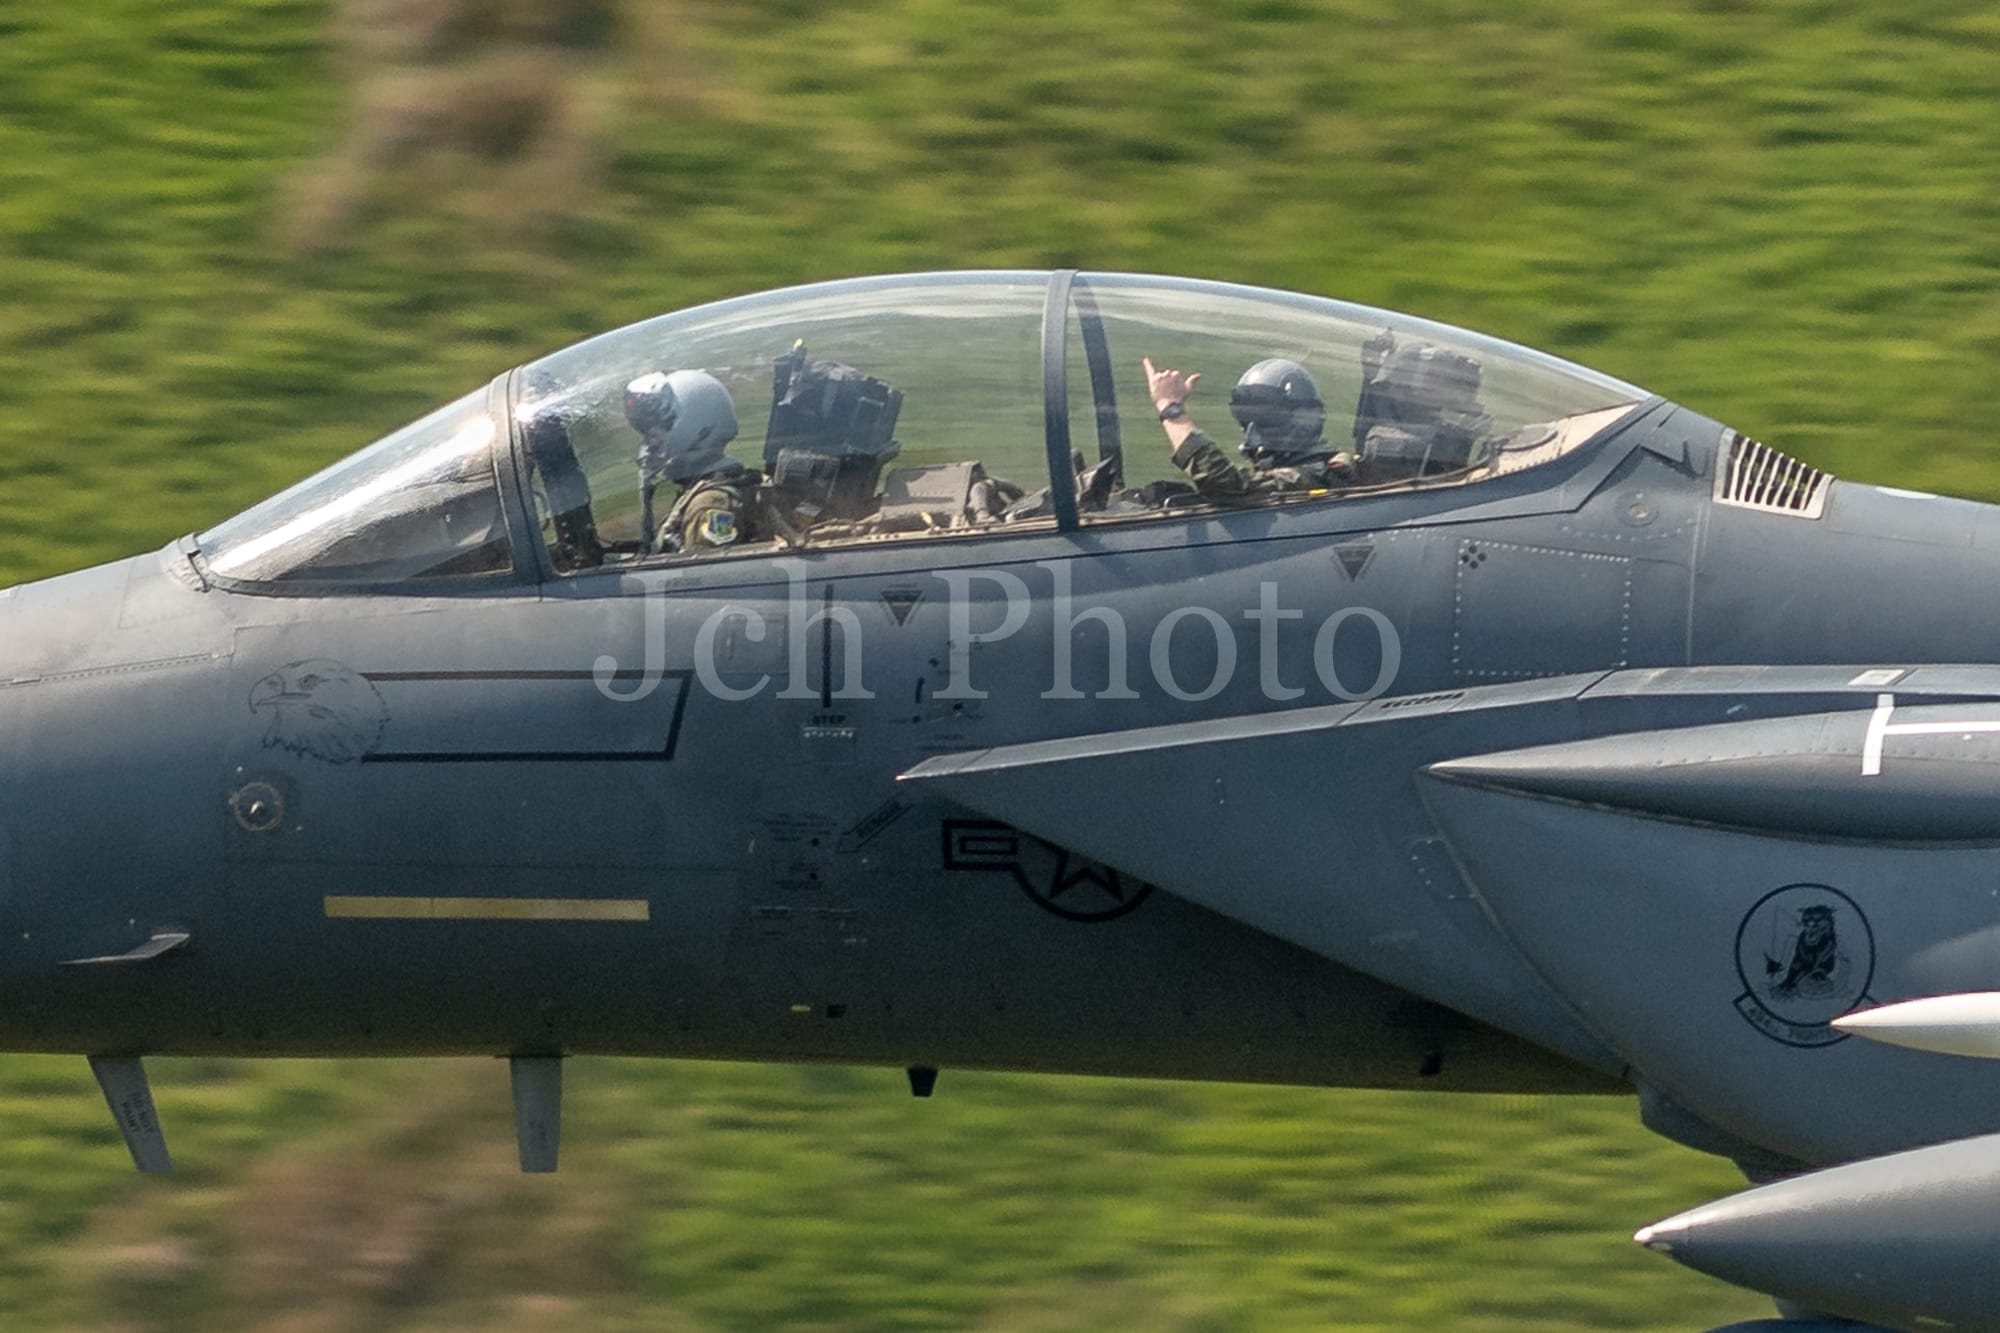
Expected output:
{"points": [[422, 503]]}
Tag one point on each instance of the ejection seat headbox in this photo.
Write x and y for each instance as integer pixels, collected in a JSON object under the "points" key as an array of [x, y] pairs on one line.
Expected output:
{"points": [[1419, 412], [832, 428]]}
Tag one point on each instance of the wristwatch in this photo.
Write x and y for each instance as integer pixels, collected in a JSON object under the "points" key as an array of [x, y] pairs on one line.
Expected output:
{"points": [[1173, 411]]}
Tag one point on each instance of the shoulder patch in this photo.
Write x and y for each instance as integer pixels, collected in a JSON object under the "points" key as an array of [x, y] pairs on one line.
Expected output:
{"points": [[718, 527]]}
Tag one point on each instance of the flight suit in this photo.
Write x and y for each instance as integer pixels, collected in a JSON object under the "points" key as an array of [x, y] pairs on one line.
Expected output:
{"points": [[1216, 478], [717, 512]]}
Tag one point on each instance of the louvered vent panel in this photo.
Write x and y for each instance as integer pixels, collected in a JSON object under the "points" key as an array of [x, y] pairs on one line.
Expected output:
{"points": [[1756, 476]]}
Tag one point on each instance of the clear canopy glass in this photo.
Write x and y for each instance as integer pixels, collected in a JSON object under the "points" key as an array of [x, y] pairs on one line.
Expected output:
{"points": [[1407, 400], [959, 355], [1406, 403], [893, 408], [422, 503]]}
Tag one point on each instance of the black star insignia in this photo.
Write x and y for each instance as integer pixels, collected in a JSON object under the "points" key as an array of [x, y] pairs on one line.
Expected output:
{"points": [[1090, 872]]}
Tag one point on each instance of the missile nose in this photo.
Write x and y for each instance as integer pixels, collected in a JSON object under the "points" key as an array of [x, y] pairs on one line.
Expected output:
{"points": [[1659, 1237], [1904, 1241], [1964, 1024], [1690, 1236]]}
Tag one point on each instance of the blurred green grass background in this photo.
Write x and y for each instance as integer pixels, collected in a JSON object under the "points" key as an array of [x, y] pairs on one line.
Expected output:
{"points": [[353, 1195], [239, 238]]}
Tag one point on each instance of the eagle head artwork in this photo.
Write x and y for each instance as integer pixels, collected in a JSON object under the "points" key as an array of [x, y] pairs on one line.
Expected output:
{"points": [[321, 709]]}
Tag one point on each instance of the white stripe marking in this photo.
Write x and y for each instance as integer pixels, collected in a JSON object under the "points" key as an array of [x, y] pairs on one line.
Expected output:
{"points": [[1880, 727], [1940, 728], [1871, 748]]}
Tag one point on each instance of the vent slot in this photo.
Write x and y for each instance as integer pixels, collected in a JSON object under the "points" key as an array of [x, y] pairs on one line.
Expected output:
{"points": [[1419, 700], [1757, 476]]}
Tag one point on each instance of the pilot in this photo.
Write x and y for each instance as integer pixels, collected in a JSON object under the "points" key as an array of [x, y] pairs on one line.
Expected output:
{"points": [[685, 419], [1283, 420]]}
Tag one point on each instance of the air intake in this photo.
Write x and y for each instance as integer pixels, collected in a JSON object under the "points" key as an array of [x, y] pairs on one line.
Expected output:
{"points": [[1756, 476]]}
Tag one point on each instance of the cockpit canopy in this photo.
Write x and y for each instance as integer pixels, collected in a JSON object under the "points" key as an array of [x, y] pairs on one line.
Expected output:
{"points": [[421, 503], [946, 405]]}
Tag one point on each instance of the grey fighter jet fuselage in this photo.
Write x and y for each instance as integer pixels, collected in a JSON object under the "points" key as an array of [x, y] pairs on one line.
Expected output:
{"points": [[1616, 748]]}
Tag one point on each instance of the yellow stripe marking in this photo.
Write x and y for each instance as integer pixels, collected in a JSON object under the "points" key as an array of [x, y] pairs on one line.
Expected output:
{"points": [[378, 907]]}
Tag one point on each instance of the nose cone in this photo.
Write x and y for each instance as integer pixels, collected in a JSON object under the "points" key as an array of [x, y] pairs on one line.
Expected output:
{"points": [[12, 655], [6, 869], [10, 749], [110, 786], [62, 624]]}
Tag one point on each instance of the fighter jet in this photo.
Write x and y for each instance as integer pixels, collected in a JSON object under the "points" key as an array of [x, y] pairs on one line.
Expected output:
{"points": [[905, 671]]}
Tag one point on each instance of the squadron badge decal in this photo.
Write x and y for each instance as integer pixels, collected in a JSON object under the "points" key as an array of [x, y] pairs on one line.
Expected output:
{"points": [[1805, 955]]}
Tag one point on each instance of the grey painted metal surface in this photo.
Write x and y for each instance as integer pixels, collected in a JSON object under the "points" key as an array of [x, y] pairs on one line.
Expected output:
{"points": [[1628, 754], [1905, 1240], [1803, 1324]]}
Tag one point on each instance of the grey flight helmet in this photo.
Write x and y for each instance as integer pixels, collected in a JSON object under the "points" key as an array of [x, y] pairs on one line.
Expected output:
{"points": [[685, 419], [1279, 408]]}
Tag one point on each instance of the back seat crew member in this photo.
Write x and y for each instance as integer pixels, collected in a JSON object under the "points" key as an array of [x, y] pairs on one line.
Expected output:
{"points": [[1283, 420]]}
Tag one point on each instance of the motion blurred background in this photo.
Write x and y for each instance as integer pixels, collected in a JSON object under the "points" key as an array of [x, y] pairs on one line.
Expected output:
{"points": [[240, 238]]}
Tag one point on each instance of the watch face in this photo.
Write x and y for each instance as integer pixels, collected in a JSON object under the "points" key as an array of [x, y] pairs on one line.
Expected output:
{"points": [[1173, 411]]}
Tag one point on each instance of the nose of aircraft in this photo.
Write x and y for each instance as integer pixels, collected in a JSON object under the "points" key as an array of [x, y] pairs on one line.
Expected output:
{"points": [[108, 774], [10, 740]]}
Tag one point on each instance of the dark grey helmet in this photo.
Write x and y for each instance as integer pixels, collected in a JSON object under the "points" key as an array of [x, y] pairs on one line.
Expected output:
{"points": [[1279, 408]]}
